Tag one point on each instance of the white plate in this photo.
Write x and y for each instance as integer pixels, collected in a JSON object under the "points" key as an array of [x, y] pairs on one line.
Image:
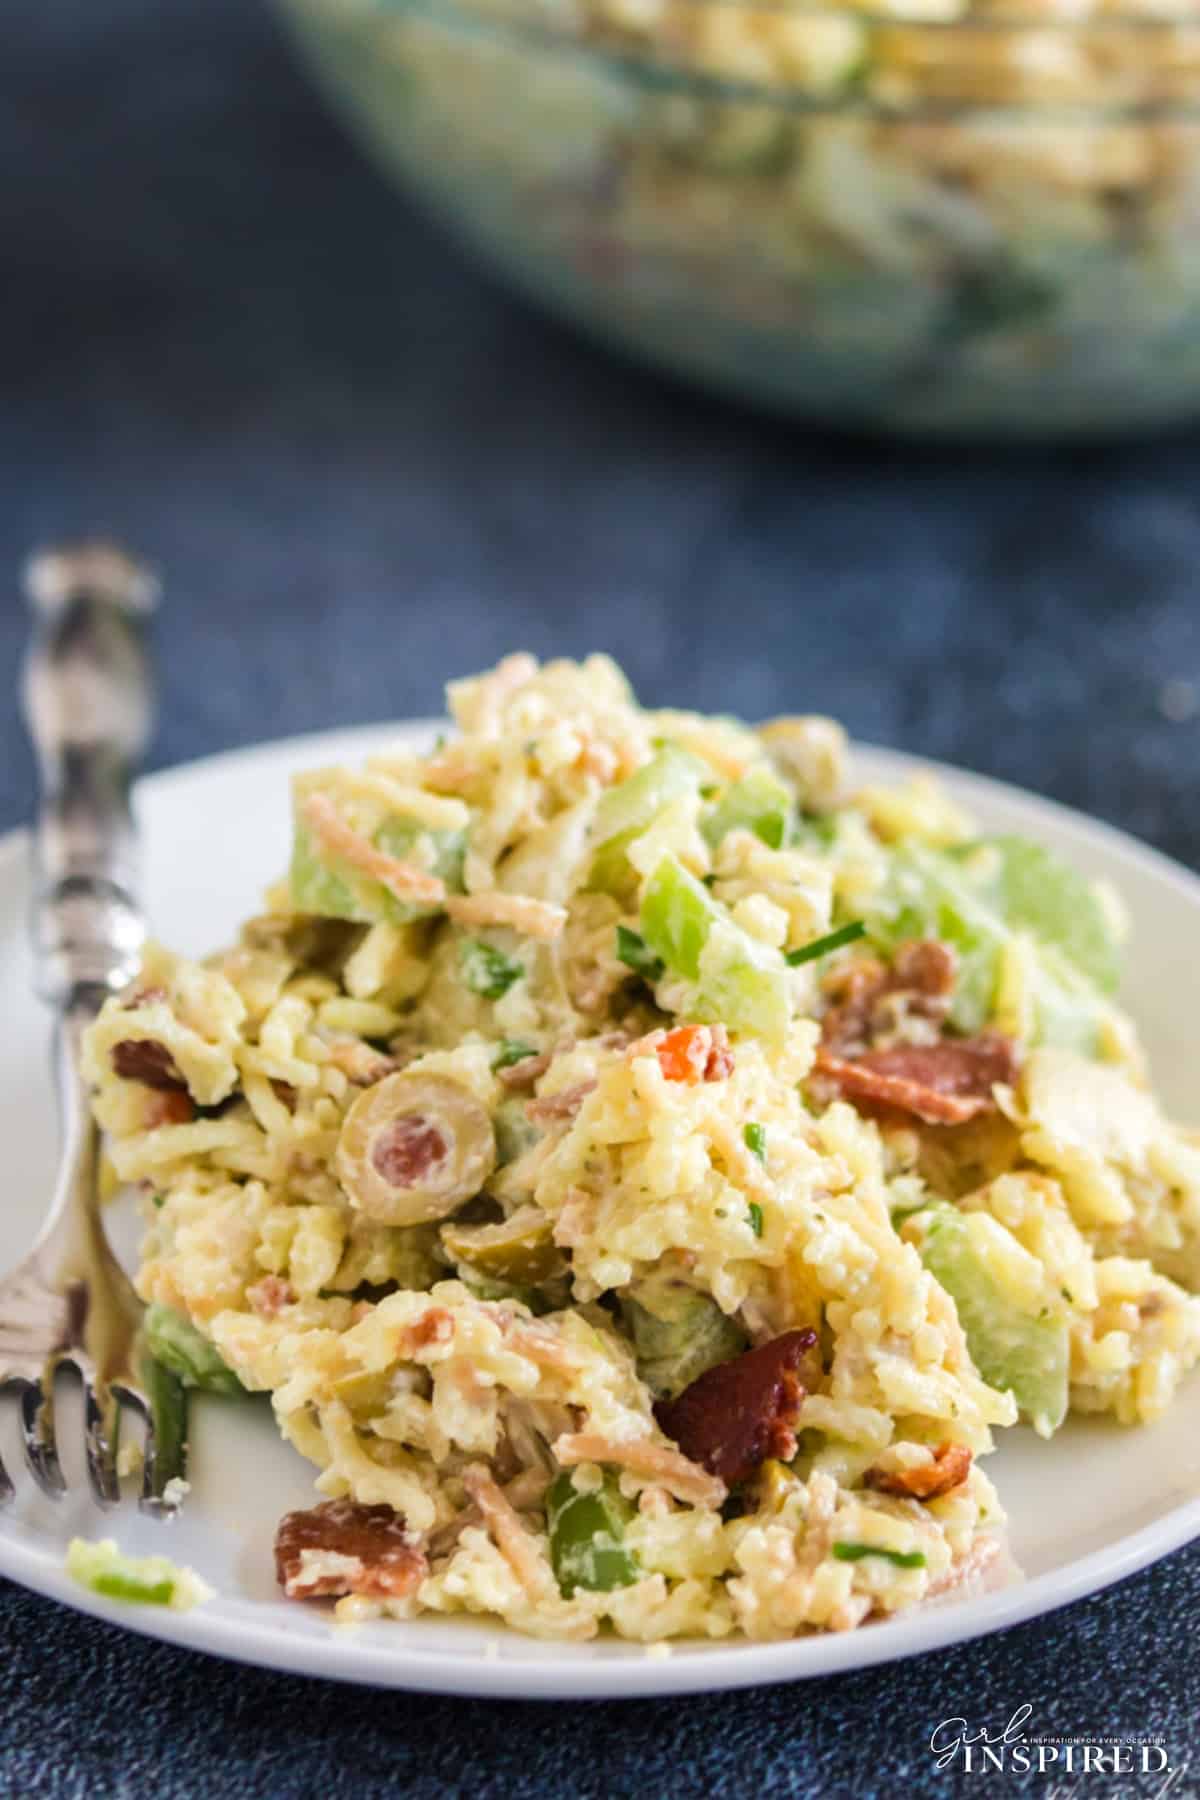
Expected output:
{"points": [[1094, 1505]]}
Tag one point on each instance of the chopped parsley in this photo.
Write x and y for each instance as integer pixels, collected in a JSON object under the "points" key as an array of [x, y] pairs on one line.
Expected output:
{"points": [[755, 1214], [755, 1138], [636, 954], [511, 1050], [833, 940], [903, 1559], [486, 970]]}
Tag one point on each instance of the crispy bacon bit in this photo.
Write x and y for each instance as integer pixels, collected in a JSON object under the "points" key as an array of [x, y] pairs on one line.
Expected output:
{"points": [[142, 996], [563, 1105], [927, 1481], [509, 1535], [344, 1548], [868, 999], [658, 1463], [269, 1296], [533, 918], [359, 1063], [147, 1061], [405, 1151], [435, 1326], [741, 1412], [942, 1084], [526, 1072], [405, 880], [168, 1106], [695, 1053]]}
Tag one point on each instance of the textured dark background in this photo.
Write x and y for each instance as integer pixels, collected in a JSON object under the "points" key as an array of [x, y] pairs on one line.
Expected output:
{"points": [[363, 468]]}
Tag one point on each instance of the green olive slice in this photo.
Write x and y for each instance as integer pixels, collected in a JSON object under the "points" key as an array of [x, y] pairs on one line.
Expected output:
{"points": [[413, 1148], [518, 1249]]}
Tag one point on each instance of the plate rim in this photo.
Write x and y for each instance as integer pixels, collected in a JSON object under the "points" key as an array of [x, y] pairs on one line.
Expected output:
{"points": [[225, 1627]]}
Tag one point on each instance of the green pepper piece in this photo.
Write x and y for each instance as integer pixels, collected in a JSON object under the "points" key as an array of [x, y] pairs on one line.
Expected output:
{"points": [[678, 1333], [175, 1342], [586, 1537]]}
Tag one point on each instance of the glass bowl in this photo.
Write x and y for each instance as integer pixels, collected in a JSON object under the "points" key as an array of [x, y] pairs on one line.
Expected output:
{"points": [[957, 217]]}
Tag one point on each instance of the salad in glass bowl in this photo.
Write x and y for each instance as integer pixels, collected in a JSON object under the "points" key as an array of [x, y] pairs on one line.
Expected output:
{"points": [[925, 216]]}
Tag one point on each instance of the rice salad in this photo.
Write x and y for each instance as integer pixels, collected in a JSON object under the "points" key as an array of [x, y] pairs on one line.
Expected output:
{"points": [[644, 1172]]}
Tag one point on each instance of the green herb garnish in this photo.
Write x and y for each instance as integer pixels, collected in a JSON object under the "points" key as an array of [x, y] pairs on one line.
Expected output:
{"points": [[822, 946], [903, 1559], [510, 1051], [755, 1137], [486, 970], [633, 951], [755, 1213]]}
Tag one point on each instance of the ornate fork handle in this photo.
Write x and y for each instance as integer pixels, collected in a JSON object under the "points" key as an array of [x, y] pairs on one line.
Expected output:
{"points": [[89, 703]]}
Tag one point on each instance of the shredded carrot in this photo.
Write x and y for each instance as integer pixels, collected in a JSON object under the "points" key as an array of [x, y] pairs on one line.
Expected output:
{"points": [[510, 1536], [642, 1456], [533, 918], [404, 880]]}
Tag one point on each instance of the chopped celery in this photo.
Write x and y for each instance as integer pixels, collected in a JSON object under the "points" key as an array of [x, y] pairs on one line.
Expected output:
{"points": [[324, 886], [141, 1580], [760, 802], [486, 970], [678, 1333], [630, 808], [678, 912], [1035, 890], [934, 894], [1014, 1350], [174, 1342], [586, 1537], [734, 979]]}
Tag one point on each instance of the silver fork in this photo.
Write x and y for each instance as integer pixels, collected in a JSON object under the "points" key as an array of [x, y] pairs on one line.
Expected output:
{"points": [[88, 699]]}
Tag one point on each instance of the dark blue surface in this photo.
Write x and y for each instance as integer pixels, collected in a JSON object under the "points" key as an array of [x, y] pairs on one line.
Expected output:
{"points": [[363, 468]]}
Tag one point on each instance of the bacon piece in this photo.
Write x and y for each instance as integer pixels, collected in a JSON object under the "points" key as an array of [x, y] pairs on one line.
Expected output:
{"points": [[168, 1106], [927, 1481], [341, 1547], [505, 1527], [643, 1457], [143, 996], [147, 1061], [361, 1064], [533, 918], [868, 998], [563, 1105], [741, 1412], [942, 1084], [526, 1072], [269, 1296], [695, 1053], [402, 879]]}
